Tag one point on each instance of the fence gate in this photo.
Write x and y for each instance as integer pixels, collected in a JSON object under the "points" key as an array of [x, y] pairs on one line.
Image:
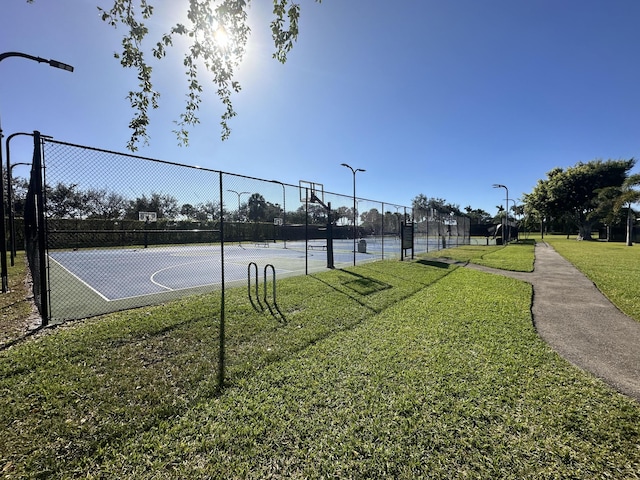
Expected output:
{"points": [[35, 232]]}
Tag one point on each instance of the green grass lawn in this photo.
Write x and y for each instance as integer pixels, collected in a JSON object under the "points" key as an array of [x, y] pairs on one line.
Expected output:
{"points": [[15, 308], [612, 266], [517, 256], [386, 370]]}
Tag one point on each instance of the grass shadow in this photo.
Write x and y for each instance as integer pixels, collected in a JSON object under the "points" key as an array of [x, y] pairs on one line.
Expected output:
{"points": [[356, 286], [434, 263], [524, 241], [364, 285]]}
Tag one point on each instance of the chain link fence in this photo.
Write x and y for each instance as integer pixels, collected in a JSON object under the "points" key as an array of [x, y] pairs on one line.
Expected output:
{"points": [[121, 231]]}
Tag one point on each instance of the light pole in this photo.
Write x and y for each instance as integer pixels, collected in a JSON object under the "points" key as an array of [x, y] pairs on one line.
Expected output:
{"points": [[398, 222], [284, 212], [515, 213], [354, 171], [12, 213], [239, 194], [505, 237], [3, 233]]}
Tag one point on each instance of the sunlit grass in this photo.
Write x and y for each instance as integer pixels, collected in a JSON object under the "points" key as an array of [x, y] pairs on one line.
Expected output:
{"points": [[92, 383], [516, 256], [612, 266], [387, 370]]}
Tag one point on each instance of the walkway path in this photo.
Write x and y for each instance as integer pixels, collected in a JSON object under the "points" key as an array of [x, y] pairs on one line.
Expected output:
{"points": [[580, 323]]}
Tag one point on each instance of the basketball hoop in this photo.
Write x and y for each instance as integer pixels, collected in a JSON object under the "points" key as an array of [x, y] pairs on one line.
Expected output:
{"points": [[148, 217]]}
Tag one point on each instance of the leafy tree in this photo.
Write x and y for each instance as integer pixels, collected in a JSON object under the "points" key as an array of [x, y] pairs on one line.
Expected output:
{"points": [[606, 210], [188, 211], [101, 203], [392, 222], [343, 216], [65, 201], [478, 215], [297, 216], [571, 195], [165, 205], [317, 214], [207, 211], [217, 31], [538, 205], [423, 206], [19, 188], [273, 210], [371, 221], [257, 207]]}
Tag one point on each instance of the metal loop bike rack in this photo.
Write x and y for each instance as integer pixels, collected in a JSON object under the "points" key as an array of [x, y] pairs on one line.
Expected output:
{"points": [[259, 306], [266, 301]]}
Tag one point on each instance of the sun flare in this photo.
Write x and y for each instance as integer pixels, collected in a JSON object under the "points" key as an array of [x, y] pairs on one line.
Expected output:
{"points": [[222, 38]]}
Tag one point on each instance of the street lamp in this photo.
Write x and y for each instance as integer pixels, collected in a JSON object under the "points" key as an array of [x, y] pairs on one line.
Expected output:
{"points": [[398, 222], [515, 214], [505, 237], [354, 171], [239, 194], [52, 63], [3, 233], [284, 212]]}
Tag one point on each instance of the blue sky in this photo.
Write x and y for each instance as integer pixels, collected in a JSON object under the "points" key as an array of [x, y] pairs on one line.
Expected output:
{"points": [[439, 97]]}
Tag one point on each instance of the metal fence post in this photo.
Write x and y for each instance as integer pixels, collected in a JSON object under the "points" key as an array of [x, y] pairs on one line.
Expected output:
{"points": [[222, 289]]}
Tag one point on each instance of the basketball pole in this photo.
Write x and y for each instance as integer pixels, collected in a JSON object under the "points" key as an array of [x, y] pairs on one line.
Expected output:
{"points": [[327, 207]]}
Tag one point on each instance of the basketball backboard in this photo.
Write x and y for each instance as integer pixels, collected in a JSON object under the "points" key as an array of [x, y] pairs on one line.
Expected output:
{"points": [[311, 192], [148, 216]]}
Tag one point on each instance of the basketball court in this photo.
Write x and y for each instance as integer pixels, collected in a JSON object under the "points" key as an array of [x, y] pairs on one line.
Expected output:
{"points": [[94, 281], [89, 281]]}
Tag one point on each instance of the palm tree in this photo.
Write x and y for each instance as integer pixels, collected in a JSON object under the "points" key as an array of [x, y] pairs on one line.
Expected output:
{"points": [[629, 196]]}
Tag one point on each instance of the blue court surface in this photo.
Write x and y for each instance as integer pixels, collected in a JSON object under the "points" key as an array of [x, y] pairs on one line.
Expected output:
{"points": [[95, 281], [130, 272]]}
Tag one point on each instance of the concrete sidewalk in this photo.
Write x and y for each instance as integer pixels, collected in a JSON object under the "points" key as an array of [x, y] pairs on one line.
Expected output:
{"points": [[580, 323]]}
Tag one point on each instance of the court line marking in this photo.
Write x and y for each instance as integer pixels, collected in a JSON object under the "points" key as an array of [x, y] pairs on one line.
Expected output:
{"points": [[280, 270], [176, 266], [168, 289], [295, 272], [77, 278]]}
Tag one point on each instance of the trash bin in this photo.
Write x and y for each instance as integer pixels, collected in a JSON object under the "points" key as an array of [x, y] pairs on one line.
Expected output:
{"points": [[362, 246]]}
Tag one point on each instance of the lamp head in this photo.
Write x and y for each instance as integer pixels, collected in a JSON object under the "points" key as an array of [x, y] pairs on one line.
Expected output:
{"points": [[60, 65]]}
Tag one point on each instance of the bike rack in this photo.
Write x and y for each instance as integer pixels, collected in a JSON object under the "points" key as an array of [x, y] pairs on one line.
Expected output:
{"points": [[266, 301], [258, 307]]}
